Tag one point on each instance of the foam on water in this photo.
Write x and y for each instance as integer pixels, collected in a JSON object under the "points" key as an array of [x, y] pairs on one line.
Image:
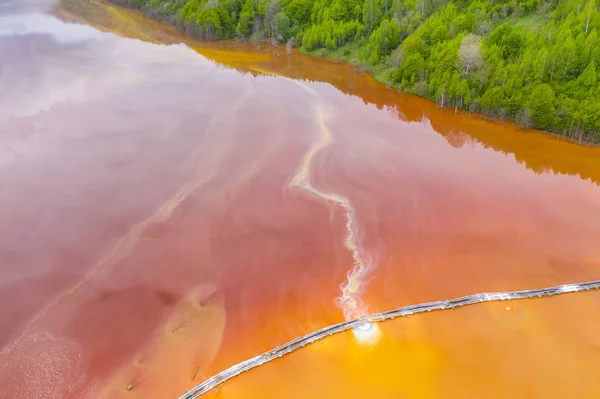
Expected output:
{"points": [[40, 366], [350, 299]]}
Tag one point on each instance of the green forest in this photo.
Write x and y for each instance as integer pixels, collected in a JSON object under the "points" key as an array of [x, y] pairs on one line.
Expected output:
{"points": [[536, 62]]}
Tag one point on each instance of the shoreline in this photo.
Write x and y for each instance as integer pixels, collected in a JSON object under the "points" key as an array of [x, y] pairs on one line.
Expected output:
{"points": [[323, 55]]}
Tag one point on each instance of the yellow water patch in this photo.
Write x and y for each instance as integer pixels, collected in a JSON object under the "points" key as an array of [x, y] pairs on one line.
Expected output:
{"points": [[179, 353]]}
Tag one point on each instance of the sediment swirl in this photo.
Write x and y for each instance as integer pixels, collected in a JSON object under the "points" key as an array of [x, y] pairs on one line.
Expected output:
{"points": [[349, 301]]}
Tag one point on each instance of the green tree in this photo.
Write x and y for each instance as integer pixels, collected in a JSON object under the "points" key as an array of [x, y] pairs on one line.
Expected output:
{"points": [[246, 19], [413, 44], [493, 100], [413, 68], [371, 14], [383, 40], [439, 34], [541, 104], [588, 78]]}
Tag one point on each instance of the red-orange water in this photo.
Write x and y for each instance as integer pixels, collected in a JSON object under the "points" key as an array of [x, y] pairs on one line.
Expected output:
{"points": [[150, 236]]}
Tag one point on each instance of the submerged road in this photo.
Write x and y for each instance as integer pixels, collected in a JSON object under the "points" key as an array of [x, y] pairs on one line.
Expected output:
{"points": [[366, 321]]}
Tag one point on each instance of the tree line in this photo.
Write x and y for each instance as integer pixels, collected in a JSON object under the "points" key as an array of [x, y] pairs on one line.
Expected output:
{"points": [[536, 62]]}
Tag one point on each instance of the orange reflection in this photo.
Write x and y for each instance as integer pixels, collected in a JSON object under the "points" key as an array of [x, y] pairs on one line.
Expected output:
{"points": [[543, 348]]}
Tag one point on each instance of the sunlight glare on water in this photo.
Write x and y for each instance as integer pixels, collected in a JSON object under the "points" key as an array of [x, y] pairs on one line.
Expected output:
{"points": [[367, 334]]}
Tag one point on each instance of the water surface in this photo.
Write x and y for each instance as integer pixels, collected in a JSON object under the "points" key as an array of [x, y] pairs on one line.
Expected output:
{"points": [[150, 235]]}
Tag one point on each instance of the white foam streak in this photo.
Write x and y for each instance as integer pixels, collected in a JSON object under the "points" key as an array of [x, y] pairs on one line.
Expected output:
{"points": [[350, 300]]}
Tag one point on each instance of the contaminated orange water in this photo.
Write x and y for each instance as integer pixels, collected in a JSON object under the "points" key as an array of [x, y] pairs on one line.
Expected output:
{"points": [[151, 236]]}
